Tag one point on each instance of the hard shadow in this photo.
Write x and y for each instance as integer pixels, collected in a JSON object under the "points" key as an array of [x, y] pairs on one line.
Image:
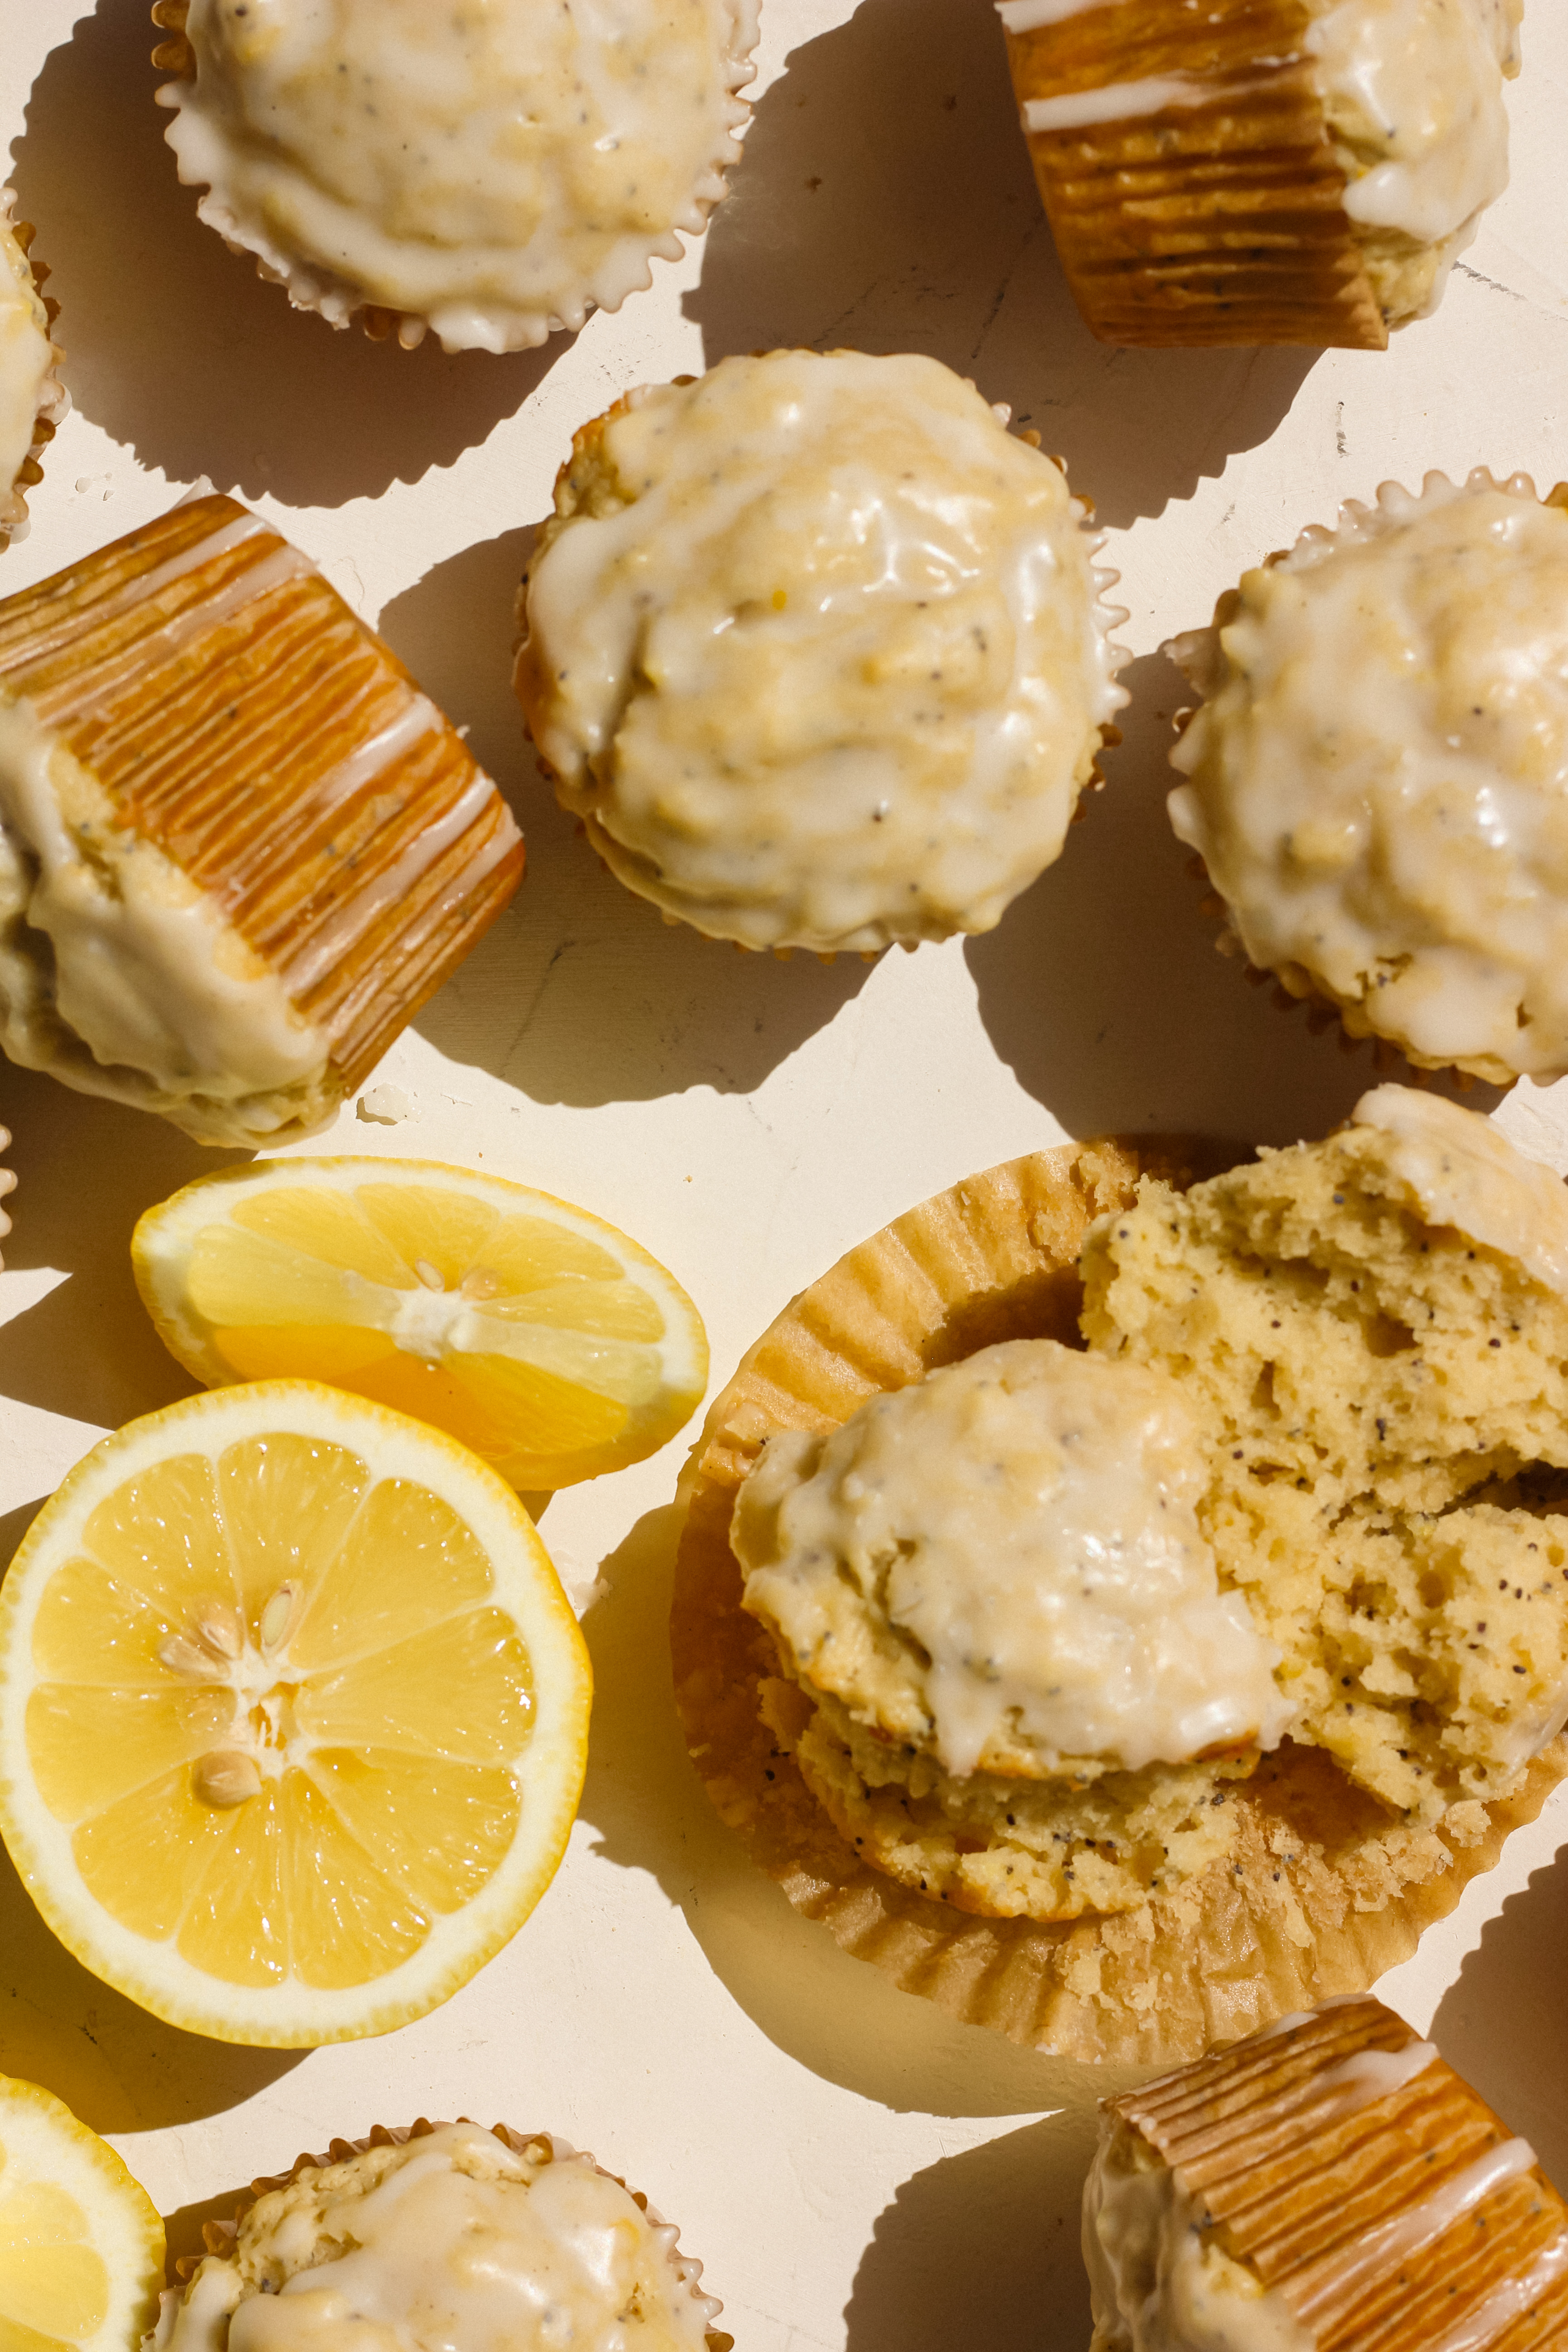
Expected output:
{"points": [[982, 2248], [886, 203], [1502, 2024], [86, 1170], [580, 994], [115, 2066], [1102, 991], [831, 2013], [176, 347]]}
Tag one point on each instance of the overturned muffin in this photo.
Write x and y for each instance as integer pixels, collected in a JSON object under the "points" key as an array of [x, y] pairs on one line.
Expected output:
{"points": [[492, 173], [814, 649], [1375, 778], [238, 847], [1263, 171], [451, 2236], [1007, 1670], [1373, 1334], [1330, 2182]]}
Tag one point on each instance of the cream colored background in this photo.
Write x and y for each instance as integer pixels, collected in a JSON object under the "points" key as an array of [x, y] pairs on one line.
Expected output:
{"points": [[854, 2170]]}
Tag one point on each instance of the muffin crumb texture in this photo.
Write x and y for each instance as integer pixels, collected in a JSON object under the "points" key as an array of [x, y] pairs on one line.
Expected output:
{"points": [[1385, 1398], [815, 650], [449, 2235]]}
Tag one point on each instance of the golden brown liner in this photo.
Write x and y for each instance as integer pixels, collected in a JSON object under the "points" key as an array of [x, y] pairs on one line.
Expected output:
{"points": [[1320, 1892], [55, 399], [223, 696], [1295, 2176], [1293, 983], [1219, 223], [219, 2236]]}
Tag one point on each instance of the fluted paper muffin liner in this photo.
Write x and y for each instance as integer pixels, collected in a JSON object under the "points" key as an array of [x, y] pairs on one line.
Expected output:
{"points": [[232, 712], [219, 2236], [1218, 217], [54, 400], [1196, 653], [1366, 2185], [1320, 1892], [7, 1184]]}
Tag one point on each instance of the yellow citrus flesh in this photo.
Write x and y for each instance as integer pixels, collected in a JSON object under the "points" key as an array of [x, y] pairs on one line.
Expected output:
{"points": [[538, 1336], [82, 2247], [293, 1714]]}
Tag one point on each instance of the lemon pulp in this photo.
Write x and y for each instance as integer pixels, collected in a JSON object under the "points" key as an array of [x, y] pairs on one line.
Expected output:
{"points": [[545, 1341], [284, 1715], [82, 2250]]}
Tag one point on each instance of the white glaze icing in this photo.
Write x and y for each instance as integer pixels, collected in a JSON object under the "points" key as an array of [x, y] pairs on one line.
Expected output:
{"points": [[1127, 101], [1028, 15], [27, 387], [1379, 777], [1158, 2282], [1486, 2323], [458, 2242], [147, 975], [835, 675], [1419, 82], [1022, 1523], [1409, 2232], [495, 171], [1465, 1172]]}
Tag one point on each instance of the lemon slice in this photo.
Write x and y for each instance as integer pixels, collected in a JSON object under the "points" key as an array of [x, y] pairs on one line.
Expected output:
{"points": [[293, 1715], [81, 2249], [542, 1338]]}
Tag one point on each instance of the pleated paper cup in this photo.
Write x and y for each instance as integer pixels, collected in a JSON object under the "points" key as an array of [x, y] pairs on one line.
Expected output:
{"points": [[223, 706], [1320, 1893], [219, 2237], [1356, 2175], [1185, 160]]}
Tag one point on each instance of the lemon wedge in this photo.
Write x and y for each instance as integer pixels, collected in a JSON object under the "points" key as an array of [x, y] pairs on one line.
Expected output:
{"points": [[81, 2249], [293, 1715], [538, 1336]]}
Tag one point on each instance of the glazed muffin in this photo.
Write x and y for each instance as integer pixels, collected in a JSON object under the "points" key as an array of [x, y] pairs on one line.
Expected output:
{"points": [[1375, 776], [491, 173], [238, 847], [1262, 170], [1246, 1632], [377, 2238], [813, 649], [32, 398], [1329, 2183]]}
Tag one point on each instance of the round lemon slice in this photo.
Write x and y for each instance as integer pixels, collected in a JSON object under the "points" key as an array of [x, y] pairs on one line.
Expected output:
{"points": [[81, 2249], [540, 1337], [293, 1715]]}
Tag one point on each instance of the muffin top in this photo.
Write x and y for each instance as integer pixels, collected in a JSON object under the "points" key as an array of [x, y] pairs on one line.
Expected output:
{"points": [[495, 171], [1413, 94], [1002, 1565], [27, 367], [1378, 776], [813, 649], [1372, 1333], [458, 2237]]}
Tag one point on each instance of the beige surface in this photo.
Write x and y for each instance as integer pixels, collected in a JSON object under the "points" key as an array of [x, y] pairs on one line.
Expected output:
{"points": [[825, 2142]]}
